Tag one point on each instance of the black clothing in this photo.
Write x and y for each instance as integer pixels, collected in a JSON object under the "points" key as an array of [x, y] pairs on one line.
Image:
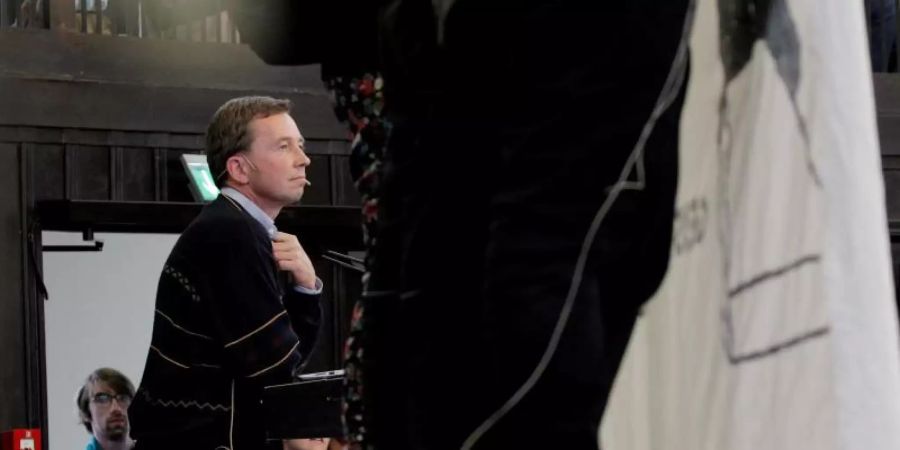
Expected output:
{"points": [[510, 120], [225, 327]]}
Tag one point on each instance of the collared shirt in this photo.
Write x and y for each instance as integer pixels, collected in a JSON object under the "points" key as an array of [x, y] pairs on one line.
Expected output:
{"points": [[269, 225]]}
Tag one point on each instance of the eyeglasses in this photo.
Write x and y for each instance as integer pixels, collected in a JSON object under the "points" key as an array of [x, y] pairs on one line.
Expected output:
{"points": [[104, 399]]}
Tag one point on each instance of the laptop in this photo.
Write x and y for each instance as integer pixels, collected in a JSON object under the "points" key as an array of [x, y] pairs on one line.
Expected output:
{"points": [[307, 408]]}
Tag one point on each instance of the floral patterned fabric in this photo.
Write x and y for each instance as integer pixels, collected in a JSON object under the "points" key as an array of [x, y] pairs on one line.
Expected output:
{"points": [[359, 102]]}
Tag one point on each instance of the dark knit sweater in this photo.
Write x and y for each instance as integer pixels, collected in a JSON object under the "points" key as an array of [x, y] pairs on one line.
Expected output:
{"points": [[224, 328]]}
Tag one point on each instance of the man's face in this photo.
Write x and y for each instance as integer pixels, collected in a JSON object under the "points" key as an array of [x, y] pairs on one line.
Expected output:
{"points": [[277, 167], [109, 416]]}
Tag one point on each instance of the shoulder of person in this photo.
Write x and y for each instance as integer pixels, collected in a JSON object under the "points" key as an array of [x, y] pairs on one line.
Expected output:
{"points": [[221, 222]]}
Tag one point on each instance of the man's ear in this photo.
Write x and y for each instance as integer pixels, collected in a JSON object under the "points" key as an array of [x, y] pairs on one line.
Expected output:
{"points": [[236, 170]]}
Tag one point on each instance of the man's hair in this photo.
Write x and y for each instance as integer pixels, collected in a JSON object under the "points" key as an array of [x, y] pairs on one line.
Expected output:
{"points": [[227, 133], [113, 378]]}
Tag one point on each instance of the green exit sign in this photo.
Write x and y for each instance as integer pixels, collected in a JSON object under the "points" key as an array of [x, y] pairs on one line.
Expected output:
{"points": [[202, 183]]}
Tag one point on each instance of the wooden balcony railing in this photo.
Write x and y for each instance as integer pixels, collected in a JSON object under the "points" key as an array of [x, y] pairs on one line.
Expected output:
{"points": [[184, 20]]}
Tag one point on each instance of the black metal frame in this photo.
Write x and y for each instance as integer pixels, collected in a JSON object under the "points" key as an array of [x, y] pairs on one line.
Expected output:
{"points": [[34, 293]]}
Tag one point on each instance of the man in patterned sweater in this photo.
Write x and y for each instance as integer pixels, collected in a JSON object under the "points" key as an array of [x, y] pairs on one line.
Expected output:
{"points": [[226, 323]]}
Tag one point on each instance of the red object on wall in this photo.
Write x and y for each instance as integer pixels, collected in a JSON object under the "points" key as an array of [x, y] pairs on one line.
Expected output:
{"points": [[21, 439]]}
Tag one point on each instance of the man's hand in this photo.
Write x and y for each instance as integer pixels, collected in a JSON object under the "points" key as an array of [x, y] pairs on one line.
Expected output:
{"points": [[291, 257]]}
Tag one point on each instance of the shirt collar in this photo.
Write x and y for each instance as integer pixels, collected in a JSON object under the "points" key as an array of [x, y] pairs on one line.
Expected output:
{"points": [[255, 212]]}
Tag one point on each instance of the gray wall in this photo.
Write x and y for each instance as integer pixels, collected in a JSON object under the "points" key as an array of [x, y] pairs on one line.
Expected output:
{"points": [[100, 314]]}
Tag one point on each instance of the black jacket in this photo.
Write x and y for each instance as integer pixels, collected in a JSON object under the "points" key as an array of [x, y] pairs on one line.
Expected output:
{"points": [[224, 328]]}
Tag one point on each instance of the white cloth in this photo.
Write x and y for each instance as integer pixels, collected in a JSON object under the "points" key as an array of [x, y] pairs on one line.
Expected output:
{"points": [[775, 327]]}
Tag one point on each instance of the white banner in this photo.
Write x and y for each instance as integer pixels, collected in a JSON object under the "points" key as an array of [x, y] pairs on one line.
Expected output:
{"points": [[775, 327]]}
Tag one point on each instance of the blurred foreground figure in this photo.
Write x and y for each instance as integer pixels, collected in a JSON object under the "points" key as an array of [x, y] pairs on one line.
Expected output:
{"points": [[508, 123]]}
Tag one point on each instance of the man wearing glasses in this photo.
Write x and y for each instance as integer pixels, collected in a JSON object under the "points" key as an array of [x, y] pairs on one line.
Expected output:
{"points": [[103, 404]]}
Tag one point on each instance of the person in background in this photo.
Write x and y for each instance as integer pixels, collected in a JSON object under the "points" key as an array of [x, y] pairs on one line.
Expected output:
{"points": [[103, 409]]}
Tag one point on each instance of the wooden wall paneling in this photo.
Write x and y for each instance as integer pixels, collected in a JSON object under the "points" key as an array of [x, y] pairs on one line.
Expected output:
{"points": [[323, 356], [136, 174], [161, 175], [13, 373], [87, 76], [182, 141], [33, 292], [175, 179], [891, 172], [319, 174], [345, 190], [177, 110], [185, 141], [35, 135], [327, 146], [887, 103], [349, 289], [895, 257], [889, 133], [115, 173], [57, 135], [88, 172], [47, 171]]}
